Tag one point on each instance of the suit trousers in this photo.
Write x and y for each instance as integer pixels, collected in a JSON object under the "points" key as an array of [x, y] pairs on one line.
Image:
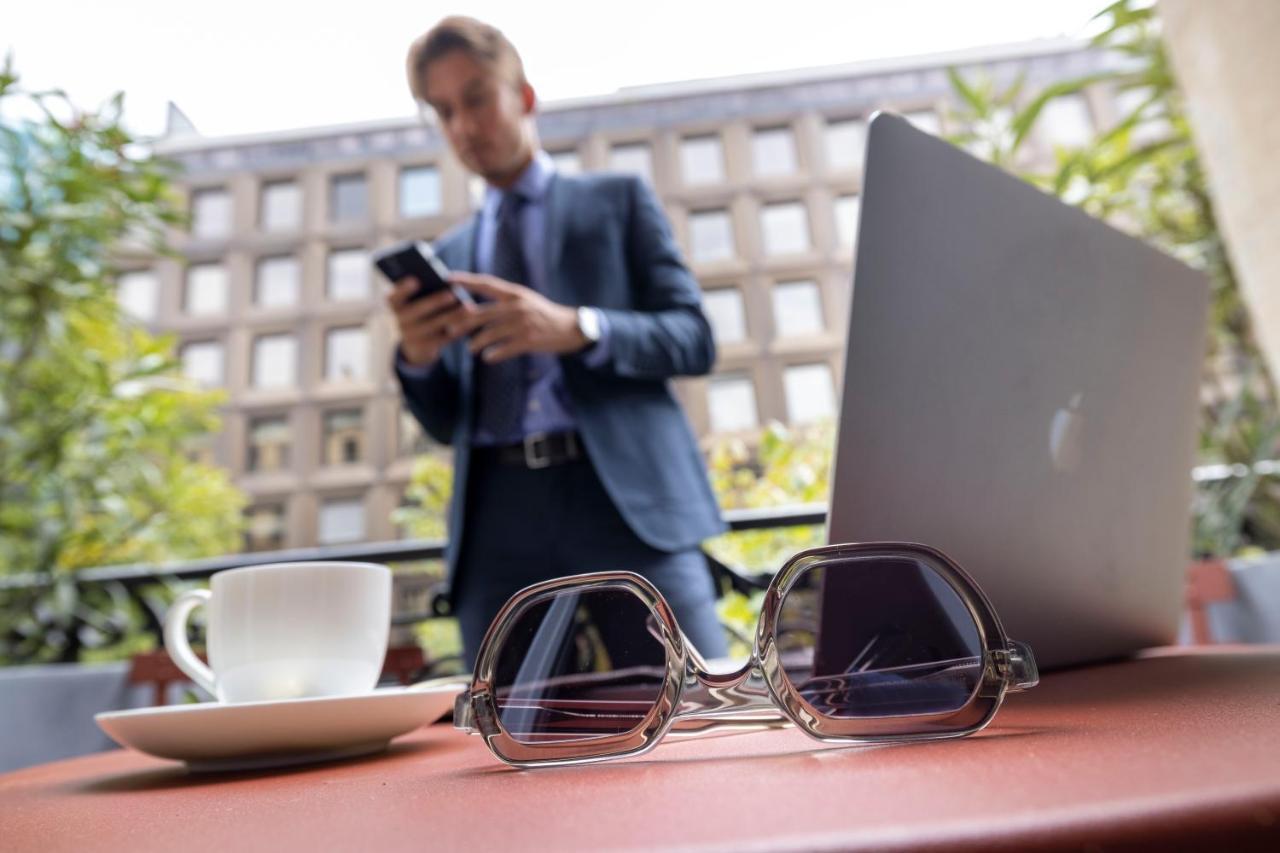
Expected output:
{"points": [[526, 525]]}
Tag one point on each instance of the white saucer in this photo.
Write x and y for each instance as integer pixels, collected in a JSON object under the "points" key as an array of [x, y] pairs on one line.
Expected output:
{"points": [[251, 735]]}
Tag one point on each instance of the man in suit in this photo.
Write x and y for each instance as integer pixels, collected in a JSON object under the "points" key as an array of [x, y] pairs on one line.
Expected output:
{"points": [[571, 453]]}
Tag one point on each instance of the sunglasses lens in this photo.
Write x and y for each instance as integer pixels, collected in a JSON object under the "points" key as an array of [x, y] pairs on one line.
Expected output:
{"points": [[578, 665], [879, 636]]}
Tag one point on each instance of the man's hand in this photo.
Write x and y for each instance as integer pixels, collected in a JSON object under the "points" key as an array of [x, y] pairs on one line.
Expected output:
{"points": [[428, 325], [517, 320]]}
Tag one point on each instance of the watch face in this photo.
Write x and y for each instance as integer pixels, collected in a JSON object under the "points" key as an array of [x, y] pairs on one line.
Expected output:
{"points": [[589, 324]]}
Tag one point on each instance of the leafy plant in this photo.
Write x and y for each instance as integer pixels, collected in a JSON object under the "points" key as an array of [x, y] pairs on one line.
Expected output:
{"points": [[1143, 174], [95, 418], [423, 516], [788, 466]]}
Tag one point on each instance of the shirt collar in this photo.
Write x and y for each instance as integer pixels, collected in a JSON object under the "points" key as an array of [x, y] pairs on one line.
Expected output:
{"points": [[532, 183]]}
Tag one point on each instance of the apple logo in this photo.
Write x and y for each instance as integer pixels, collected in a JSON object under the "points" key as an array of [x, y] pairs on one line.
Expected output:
{"points": [[1064, 435]]}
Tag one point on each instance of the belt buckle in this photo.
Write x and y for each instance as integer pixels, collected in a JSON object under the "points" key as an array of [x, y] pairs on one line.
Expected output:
{"points": [[532, 459]]}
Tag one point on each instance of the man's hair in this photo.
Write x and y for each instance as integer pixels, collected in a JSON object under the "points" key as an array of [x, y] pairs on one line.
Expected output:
{"points": [[482, 42]]}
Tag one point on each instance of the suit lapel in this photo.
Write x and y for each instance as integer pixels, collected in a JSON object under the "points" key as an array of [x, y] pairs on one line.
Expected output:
{"points": [[558, 193], [465, 250], [469, 251]]}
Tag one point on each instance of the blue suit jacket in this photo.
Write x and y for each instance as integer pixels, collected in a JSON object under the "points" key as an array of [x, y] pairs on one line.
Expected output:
{"points": [[608, 245]]}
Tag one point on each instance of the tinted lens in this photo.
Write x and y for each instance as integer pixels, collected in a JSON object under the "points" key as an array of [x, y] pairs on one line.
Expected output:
{"points": [[579, 664], [879, 637]]}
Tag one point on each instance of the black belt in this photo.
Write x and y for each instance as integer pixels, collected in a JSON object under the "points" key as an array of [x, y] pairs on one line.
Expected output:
{"points": [[539, 450]]}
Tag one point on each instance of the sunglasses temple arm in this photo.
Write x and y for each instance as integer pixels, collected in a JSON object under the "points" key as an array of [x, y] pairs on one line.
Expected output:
{"points": [[1020, 667], [462, 717]]}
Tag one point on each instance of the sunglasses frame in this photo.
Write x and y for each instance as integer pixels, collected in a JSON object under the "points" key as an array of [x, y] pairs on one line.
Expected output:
{"points": [[693, 699]]}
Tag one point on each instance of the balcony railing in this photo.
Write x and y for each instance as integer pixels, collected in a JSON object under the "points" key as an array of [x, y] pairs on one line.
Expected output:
{"points": [[131, 580]]}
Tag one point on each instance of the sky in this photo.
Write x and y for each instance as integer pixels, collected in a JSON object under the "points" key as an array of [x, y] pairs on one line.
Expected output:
{"points": [[237, 66]]}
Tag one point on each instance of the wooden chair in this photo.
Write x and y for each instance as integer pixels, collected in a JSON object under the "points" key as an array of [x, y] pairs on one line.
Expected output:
{"points": [[1208, 581], [158, 669]]}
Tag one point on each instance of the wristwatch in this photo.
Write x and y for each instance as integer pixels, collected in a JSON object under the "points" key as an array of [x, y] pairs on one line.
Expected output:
{"points": [[589, 325]]}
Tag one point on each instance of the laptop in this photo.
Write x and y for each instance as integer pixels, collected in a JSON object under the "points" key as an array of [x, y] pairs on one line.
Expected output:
{"points": [[1021, 388]]}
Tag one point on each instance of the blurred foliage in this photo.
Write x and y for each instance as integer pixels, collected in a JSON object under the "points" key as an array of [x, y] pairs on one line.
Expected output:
{"points": [[424, 513], [423, 516], [1144, 175], [783, 468], [788, 466], [95, 418]]}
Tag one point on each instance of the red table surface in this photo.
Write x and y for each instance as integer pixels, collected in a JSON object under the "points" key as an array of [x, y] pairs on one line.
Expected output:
{"points": [[1176, 750]]}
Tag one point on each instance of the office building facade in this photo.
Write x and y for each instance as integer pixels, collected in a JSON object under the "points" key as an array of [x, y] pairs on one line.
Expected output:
{"points": [[273, 297]]}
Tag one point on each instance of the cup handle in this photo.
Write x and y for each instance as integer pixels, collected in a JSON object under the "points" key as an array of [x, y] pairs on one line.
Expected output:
{"points": [[175, 638]]}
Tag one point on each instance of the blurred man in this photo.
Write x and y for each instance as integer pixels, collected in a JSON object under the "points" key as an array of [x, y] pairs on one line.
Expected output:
{"points": [[571, 453]]}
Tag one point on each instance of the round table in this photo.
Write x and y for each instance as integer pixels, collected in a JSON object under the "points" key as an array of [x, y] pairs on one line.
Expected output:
{"points": [[1177, 749]]}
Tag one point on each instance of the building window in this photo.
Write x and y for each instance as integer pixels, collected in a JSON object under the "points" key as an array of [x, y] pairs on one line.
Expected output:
{"points": [[926, 120], [269, 442], [810, 393], [275, 361], [278, 282], [567, 162], [346, 354], [206, 292], [211, 214], [202, 362], [634, 158], [731, 399], [343, 437], [846, 143], [341, 521], [785, 227], [420, 191], [348, 198], [138, 294], [412, 439], [348, 278], [702, 160], [281, 207], [773, 152], [797, 309], [710, 236], [1065, 121], [725, 311], [847, 208], [264, 528]]}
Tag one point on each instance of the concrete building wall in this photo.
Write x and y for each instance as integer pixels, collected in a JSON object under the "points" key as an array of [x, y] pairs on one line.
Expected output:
{"points": [[1227, 60], [586, 134]]}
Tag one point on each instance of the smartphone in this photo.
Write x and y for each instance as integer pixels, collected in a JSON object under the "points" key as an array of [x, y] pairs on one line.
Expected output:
{"points": [[416, 258]]}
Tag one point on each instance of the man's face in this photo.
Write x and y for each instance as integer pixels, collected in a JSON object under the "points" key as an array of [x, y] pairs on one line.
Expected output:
{"points": [[482, 114]]}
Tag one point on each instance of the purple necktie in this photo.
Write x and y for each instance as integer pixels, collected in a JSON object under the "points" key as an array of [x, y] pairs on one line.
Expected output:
{"points": [[500, 388]]}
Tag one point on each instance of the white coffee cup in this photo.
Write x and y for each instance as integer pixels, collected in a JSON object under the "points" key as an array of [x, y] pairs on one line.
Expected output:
{"points": [[287, 630]]}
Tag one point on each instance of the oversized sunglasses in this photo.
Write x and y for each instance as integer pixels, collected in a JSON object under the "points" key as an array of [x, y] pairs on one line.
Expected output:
{"points": [[865, 643]]}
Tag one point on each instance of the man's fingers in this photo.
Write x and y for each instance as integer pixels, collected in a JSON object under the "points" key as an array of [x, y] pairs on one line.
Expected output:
{"points": [[428, 307], [504, 351], [401, 297], [485, 285], [401, 292], [485, 314], [491, 334]]}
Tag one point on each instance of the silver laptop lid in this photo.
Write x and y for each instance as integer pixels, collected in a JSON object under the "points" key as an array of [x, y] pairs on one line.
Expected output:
{"points": [[1020, 390]]}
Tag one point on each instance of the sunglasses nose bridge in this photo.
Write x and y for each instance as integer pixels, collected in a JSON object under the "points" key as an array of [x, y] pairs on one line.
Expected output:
{"points": [[737, 680]]}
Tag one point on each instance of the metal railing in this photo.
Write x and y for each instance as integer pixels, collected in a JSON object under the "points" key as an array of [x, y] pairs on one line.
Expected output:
{"points": [[425, 549], [397, 551], [134, 579]]}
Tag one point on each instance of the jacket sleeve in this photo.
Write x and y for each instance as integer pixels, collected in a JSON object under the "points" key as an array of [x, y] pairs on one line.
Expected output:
{"points": [[432, 395], [667, 335]]}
